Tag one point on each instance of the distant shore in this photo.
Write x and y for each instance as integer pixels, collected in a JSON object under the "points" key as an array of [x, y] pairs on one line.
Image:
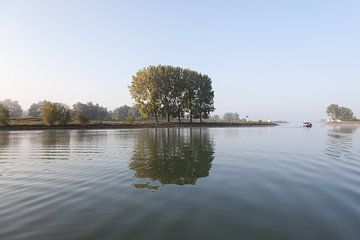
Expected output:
{"points": [[33, 124]]}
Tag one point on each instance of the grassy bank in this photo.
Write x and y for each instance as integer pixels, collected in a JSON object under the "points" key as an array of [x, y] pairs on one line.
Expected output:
{"points": [[36, 124]]}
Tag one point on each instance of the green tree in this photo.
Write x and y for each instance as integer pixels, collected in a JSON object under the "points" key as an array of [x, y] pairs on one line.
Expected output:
{"points": [[336, 112], [35, 109], [62, 114], [333, 111], [91, 111], [144, 90], [4, 115], [172, 91], [231, 116], [121, 113], [204, 97], [346, 114]]}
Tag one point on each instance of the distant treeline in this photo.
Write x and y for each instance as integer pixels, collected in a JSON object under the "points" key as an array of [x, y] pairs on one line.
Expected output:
{"points": [[165, 91], [53, 113]]}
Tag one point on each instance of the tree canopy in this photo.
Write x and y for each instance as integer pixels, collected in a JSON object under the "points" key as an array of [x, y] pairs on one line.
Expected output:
{"points": [[231, 116], [166, 91], [53, 113], [336, 112]]}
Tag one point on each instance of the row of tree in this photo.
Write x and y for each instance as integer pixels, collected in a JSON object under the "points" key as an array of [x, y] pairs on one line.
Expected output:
{"points": [[52, 113], [165, 91], [336, 112]]}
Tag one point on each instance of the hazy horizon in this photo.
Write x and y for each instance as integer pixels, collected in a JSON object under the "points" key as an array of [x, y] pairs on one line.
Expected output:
{"points": [[280, 61]]}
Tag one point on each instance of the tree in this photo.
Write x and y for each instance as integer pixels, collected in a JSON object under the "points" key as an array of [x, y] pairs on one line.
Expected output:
{"points": [[35, 109], [144, 90], [205, 98], [48, 113], [333, 111], [91, 111], [172, 91], [121, 113], [4, 115], [231, 116], [81, 117], [215, 117], [336, 112], [346, 114], [14, 108], [55, 113], [62, 113]]}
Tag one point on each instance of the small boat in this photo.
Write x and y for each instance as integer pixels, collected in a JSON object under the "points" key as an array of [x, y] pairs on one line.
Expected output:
{"points": [[307, 125]]}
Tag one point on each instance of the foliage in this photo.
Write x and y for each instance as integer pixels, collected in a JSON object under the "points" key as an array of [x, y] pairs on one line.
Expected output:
{"points": [[14, 108], [4, 114], [231, 116], [215, 117], [336, 112], [55, 113], [81, 117], [91, 111], [125, 113], [169, 91], [35, 109]]}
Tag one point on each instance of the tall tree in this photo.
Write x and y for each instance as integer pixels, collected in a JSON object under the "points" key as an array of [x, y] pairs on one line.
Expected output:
{"points": [[333, 111], [144, 89], [172, 91], [336, 112], [35, 109]]}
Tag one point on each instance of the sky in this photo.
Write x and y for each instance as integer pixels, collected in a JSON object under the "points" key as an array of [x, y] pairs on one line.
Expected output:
{"points": [[275, 60]]}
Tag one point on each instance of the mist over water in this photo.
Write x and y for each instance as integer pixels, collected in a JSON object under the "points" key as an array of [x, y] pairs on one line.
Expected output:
{"points": [[281, 182]]}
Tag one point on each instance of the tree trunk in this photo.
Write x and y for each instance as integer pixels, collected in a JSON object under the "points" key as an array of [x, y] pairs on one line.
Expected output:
{"points": [[156, 118], [191, 117], [179, 119], [200, 118], [168, 117]]}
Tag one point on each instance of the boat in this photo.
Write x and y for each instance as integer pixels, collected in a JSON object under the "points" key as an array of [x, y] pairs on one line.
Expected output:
{"points": [[307, 125]]}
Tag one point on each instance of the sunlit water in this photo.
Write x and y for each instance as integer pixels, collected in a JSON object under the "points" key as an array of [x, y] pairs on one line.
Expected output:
{"points": [[283, 182]]}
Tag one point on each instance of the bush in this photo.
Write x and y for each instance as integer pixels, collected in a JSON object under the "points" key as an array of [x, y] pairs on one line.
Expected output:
{"points": [[4, 115]]}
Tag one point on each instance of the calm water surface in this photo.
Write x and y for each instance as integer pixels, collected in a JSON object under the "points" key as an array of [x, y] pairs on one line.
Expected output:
{"points": [[284, 182]]}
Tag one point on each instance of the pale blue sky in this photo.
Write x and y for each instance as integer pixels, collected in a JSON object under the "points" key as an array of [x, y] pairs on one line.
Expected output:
{"points": [[267, 59]]}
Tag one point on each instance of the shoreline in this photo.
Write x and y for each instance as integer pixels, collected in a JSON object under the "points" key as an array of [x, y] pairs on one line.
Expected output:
{"points": [[94, 126], [342, 123]]}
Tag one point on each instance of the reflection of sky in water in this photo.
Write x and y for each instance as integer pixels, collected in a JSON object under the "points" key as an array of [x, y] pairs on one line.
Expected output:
{"points": [[340, 141]]}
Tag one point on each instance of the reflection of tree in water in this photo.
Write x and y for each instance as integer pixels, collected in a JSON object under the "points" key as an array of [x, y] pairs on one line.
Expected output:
{"points": [[340, 141], [172, 156], [50, 138], [4, 139], [55, 145]]}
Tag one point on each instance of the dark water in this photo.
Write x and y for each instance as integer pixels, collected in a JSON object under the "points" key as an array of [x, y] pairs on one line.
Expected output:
{"points": [[227, 183]]}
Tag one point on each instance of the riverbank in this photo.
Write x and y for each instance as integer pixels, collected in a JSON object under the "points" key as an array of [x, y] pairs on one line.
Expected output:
{"points": [[35, 124], [345, 123]]}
